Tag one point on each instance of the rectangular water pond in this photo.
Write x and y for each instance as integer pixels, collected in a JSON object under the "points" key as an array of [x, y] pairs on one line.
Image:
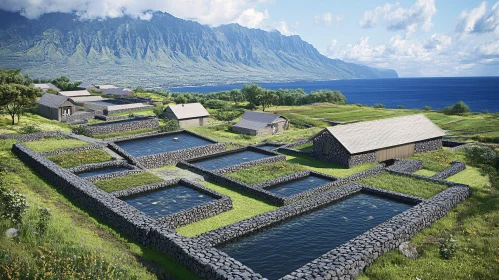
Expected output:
{"points": [[101, 171], [104, 103], [284, 248], [118, 122], [162, 144], [168, 200], [222, 161], [291, 188]]}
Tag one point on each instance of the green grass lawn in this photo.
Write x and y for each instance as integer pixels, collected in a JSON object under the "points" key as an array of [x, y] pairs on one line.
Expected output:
{"points": [[74, 238], [305, 147], [474, 224], [73, 159], [122, 134], [404, 184], [244, 207], [143, 112], [128, 181], [31, 119], [260, 173], [438, 160], [425, 172], [55, 143], [327, 168]]}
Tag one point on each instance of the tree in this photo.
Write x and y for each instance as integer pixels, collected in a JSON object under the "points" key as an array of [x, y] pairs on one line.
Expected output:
{"points": [[460, 108], [180, 99], [427, 108], [253, 94], [228, 115], [268, 98], [14, 77], [64, 83], [158, 111], [15, 99], [236, 96]]}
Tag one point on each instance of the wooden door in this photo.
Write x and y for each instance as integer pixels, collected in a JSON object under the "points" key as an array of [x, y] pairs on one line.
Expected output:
{"points": [[403, 151]]}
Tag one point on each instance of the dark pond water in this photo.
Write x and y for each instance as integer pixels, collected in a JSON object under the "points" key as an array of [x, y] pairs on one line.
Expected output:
{"points": [[268, 147], [101, 171], [229, 160], [284, 248], [168, 200], [162, 144], [103, 103], [118, 122], [298, 186]]}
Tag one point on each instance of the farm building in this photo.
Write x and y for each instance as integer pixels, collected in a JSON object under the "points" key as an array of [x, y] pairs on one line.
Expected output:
{"points": [[74, 93], [257, 123], [55, 107], [117, 91], [377, 141], [80, 100], [103, 87], [46, 87], [192, 114], [86, 86]]}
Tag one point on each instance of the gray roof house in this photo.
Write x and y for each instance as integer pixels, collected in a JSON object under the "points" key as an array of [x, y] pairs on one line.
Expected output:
{"points": [[46, 87], [103, 87], [86, 85], [258, 123], [55, 107], [192, 114], [117, 91], [377, 141], [74, 93]]}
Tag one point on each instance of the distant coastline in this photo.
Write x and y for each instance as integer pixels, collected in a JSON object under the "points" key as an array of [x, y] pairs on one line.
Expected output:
{"points": [[480, 93]]}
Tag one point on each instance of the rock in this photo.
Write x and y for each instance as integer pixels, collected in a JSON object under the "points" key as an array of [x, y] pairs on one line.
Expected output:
{"points": [[409, 250], [11, 232]]}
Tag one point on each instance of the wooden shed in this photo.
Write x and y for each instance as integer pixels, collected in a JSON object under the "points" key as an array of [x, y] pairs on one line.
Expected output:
{"points": [[377, 141], [55, 107], [258, 123], [192, 114]]}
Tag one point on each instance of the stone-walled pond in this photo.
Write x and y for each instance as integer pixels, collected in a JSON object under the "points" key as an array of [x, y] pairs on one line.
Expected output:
{"points": [[284, 248], [225, 160], [101, 171]]}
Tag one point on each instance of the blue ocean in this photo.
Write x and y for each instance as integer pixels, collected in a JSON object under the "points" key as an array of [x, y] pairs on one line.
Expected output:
{"points": [[480, 93]]}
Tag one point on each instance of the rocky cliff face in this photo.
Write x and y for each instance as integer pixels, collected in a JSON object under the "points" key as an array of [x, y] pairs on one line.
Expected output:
{"points": [[163, 51]]}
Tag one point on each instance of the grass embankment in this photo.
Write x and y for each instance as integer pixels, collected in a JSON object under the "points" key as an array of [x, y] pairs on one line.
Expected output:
{"points": [[244, 207], [474, 224], [73, 159], [260, 173], [143, 112], [76, 245], [438, 160], [128, 181], [305, 147], [404, 184], [425, 172], [123, 134], [31, 119], [55, 143]]}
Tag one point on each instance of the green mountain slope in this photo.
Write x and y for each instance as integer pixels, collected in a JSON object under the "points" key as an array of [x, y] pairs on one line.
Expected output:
{"points": [[163, 51]]}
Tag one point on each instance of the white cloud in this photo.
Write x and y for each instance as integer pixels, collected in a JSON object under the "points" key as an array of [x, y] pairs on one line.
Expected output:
{"points": [[327, 19], [479, 20], [418, 16], [283, 27], [438, 55], [252, 18]]}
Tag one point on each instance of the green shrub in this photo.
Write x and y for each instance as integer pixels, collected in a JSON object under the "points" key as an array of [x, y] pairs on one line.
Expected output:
{"points": [[427, 108], [485, 112], [478, 154], [29, 129], [400, 107], [158, 111], [169, 125], [379, 106], [82, 130], [460, 108], [448, 247], [216, 104], [228, 115], [44, 217], [13, 205]]}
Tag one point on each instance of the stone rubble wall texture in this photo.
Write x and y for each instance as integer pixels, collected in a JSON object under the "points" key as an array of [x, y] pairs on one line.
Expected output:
{"points": [[456, 167], [207, 262], [277, 145], [32, 136], [124, 110], [81, 116], [115, 118], [221, 204], [98, 129], [405, 165]]}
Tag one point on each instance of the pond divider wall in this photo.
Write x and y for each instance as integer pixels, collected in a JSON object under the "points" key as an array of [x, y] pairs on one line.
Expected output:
{"points": [[207, 262], [115, 163], [453, 145], [33, 136], [138, 124], [221, 204], [456, 167], [162, 159], [124, 110], [275, 144], [72, 150]]}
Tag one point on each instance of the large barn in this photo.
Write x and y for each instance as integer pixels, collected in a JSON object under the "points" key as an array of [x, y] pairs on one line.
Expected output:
{"points": [[192, 114], [258, 123], [377, 141]]}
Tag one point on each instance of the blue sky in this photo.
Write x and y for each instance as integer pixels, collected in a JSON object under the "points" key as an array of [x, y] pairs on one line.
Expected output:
{"points": [[414, 37]]}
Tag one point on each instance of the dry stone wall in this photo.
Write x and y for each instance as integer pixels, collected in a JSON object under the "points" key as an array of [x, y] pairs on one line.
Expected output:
{"points": [[119, 127], [115, 163], [456, 167]]}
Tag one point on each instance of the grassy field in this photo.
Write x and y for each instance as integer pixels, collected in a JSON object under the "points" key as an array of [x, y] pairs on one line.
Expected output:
{"points": [[438, 160], [73, 159], [128, 181], [143, 112], [260, 173], [51, 144], [30, 119], [122, 134], [474, 224], [76, 244], [244, 207], [404, 184], [425, 172]]}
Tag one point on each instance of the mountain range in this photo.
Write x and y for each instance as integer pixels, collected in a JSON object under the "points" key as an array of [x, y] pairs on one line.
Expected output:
{"points": [[163, 51]]}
